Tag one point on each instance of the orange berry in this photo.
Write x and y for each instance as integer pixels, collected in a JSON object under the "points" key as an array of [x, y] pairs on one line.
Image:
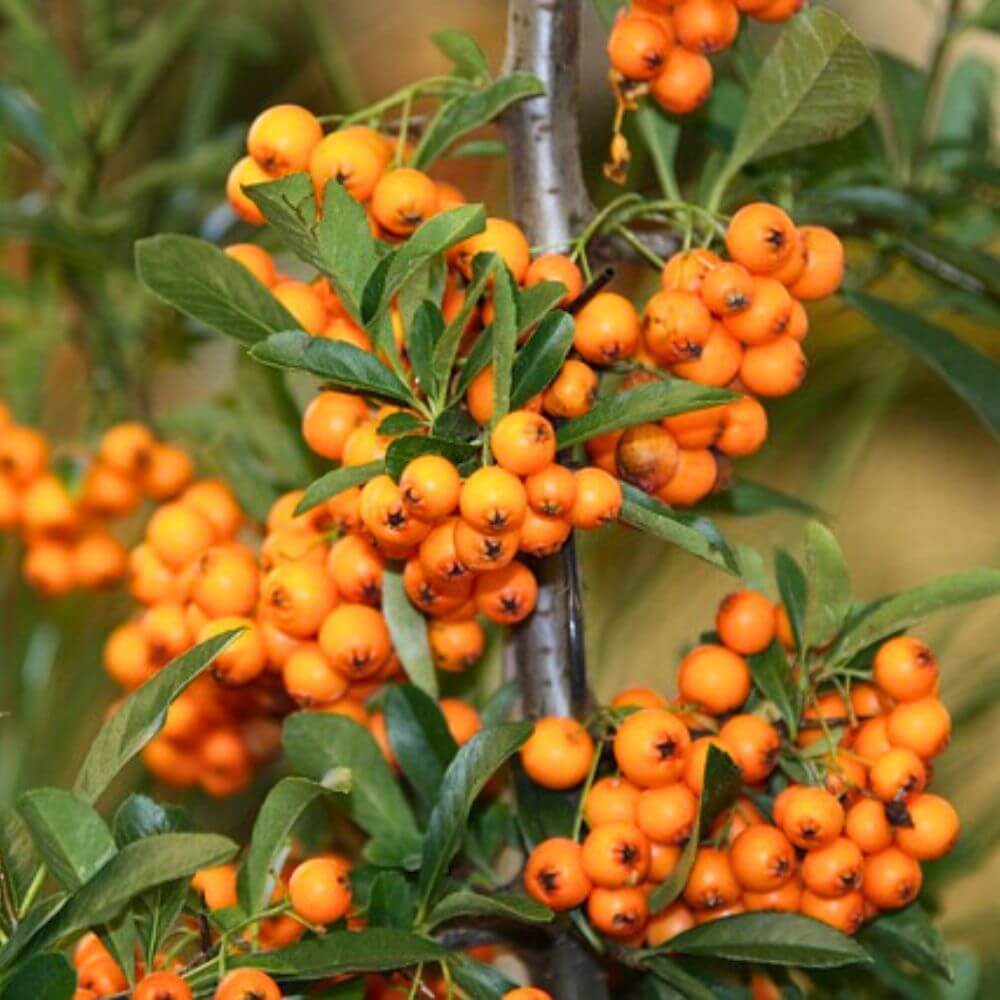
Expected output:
{"points": [[556, 267], [787, 899], [824, 264], [638, 46], [456, 645], [214, 500], [501, 237], [897, 773], [706, 25], [615, 855], [744, 427], [479, 551], [905, 669], [102, 975], [247, 984], [714, 678], [607, 329], [753, 743], [718, 362], [301, 300], [572, 392], [493, 500], [309, 677], [763, 859], [127, 657], [711, 884], [810, 817], [933, 828], [329, 421], [695, 478], [618, 913], [745, 622], [348, 159], [923, 726], [387, 516], [598, 499], [541, 535], [431, 597], [667, 814], [431, 486], [99, 560], [246, 173], [462, 719], [356, 567], [558, 754], [761, 237], [281, 138], [507, 595], [651, 748], [676, 325], [638, 697], [554, 874], [611, 800], [685, 83], [523, 443], [867, 825], [125, 447], [162, 986], [256, 260], [892, 879], [225, 581], [686, 271], [776, 368], [320, 889], [403, 199], [166, 629], [647, 456], [845, 913], [667, 924], [833, 870], [768, 314], [871, 739], [728, 289], [244, 658], [47, 507], [297, 597], [663, 860], [355, 639]]}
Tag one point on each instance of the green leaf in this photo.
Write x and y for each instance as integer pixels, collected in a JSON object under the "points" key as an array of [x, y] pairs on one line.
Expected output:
{"points": [[420, 740], [280, 811], [464, 903], [336, 481], [404, 450], [900, 611], [135, 869], [500, 703], [317, 743], [539, 361], [817, 83], [45, 976], [474, 764], [954, 262], [479, 980], [466, 114], [662, 137], [697, 535], [684, 983], [965, 119], [408, 629], [22, 123], [747, 498], [504, 342], [463, 50], [492, 148], [141, 715], [773, 678], [18, 859], [904, 98], [988, 16], [69, 834], [911, 935], [829, 586], [343, 365], [207, 285], [541, 812], [372, 950], [424, 333], [400, 423], [40, 915], [721, 786], [649, 402], [973, 376], [793, 589], [535, 302], [771, 939], [390, 852], [391, 902]]}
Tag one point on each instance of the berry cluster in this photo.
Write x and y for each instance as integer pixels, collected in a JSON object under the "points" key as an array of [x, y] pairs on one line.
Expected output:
{"points": [[62, 510], [661, 47], [833, 823]]}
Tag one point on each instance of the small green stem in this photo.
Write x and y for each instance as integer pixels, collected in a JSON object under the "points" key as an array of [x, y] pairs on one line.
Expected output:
{"points": [[585, 791], [653, 259], [936, 73], [33, 890]]}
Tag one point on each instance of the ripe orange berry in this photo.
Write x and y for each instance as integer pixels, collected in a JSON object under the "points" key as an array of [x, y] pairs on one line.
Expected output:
{"points": [[618, 912], [125, 447], [329, 421], [753, 743], [667, 924], [430, 485], [651, 748], [745, 622], [611, 800], [892, 879], [523, 442], [867, 825], [667, 814], [493, 500], [365, 445], [905, 669], [760, 237], [598, 499], [744, 427], [663, 860], [479, 551], [387, 516], [923, 726], [556, 267], [706, 25], [696, 475], [47, 507], [456, 645], [247, 984], [607, 329], [166, 629], [718, 362], [162, 986], [872, 738], [676, 325], [728, 289], [501, 237], [647, 456], [403, 199], [431, 597], [462, 719], [762, 858], [824, 264], [127, 656], [787, 899], [779, 10], [845, 913], [776, 368], [309, 677], [615, 855], [711, 884], [102, 975], [686, 271], [297, 597], [355, 639], [244, 658], [638, 46], [714, 678], [554, 874], [256, 260], [558, 754], [282, 138], [225, 581], [768, 314], [178, 534], [527, 993], [810, 817], [833, 870], [897, 773], [246, 173], [356, 567], [573, 391], [694, 769], [638, 697], [305, 306], [224, 765], [344, 509], [320, 889], [348, 159], [541, 535], [348, 332], [99, 560], [933, 830], [438, 554], [214, 500], [507, 595]]}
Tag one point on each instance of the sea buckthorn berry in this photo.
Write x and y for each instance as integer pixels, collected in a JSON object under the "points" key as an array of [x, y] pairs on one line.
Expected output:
{"points": [[647, 456], [871, 739], [47, 507], [845, 913], [493, 500], [166, 629], [256, 260], [892, 879], [554, 874], [667, 814], [753, 743], [125, 447], [867, 700], [905, 669], [923, 726], [507, 595], [310, 678], [556, 267], [127, 656], [102, 975], [462, 719], [717, 364], [431, 486], [479, 551], [824, 264], [225, 581], [245, 173], [572, 392], [439, 556], [523, 442], [867, 825], [356, 567], [663, 859], [745, 622], [607, 329], [897, 773], [214, 500], [706, 25], [297, 597], [320, 889], [329, 421], [762, 858], [598, 499], [728, 289], [244, 658], [711, 884], [403, 199], [355, 638], [303, 303], [282, 138], [798, 324], [162, 986], [846, 777], [810, 817], [696, 475], [686, 271], [835, 869], [216, 886], [776, 368], [714, 678], [667, 924], [787, 899], [932, 829], [387, 516], [611, 800], [685, 82], [541, 535], [760, 237], [501, 237], [347, 159], [615, 855], [779, 10], [247, 984], [365, 445], [744, 427], [651, 748], [433, 598], [98, 559], [638, 697], [638, 46], [675, 326], [618, 912], [767, 315], [456, 645], [558, 754]]}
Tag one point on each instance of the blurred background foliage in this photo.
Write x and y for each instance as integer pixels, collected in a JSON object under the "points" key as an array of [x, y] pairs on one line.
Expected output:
{"points": [[137, 110]]}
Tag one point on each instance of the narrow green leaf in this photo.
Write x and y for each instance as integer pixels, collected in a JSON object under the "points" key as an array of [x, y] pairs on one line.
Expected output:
{"points": [[683, 983], [464, 903], [408, 629], [45, 976], [39, 916], [18, 859], [479, 980], [463, 50], [539, 361], [793, 588], [22, 123], [424, 333], [141, 715], [773, 678], [904, 99], [829, 586], [747, 498], [391, 902], [662, 137], [504, 342], [910, 934], [336, 481]]}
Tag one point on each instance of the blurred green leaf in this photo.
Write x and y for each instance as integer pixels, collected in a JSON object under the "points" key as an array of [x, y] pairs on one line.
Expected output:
{"points": [[988, 15], [464, 51], [965, 118], [464, 903], [662, 137], [484, 267], [829, 586], [22, 123], [408, 629], [903, 100], [683, 983], [911, 935], [748, 498], [18, 859], [45, 976], [477, 978], [794, 591]]}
